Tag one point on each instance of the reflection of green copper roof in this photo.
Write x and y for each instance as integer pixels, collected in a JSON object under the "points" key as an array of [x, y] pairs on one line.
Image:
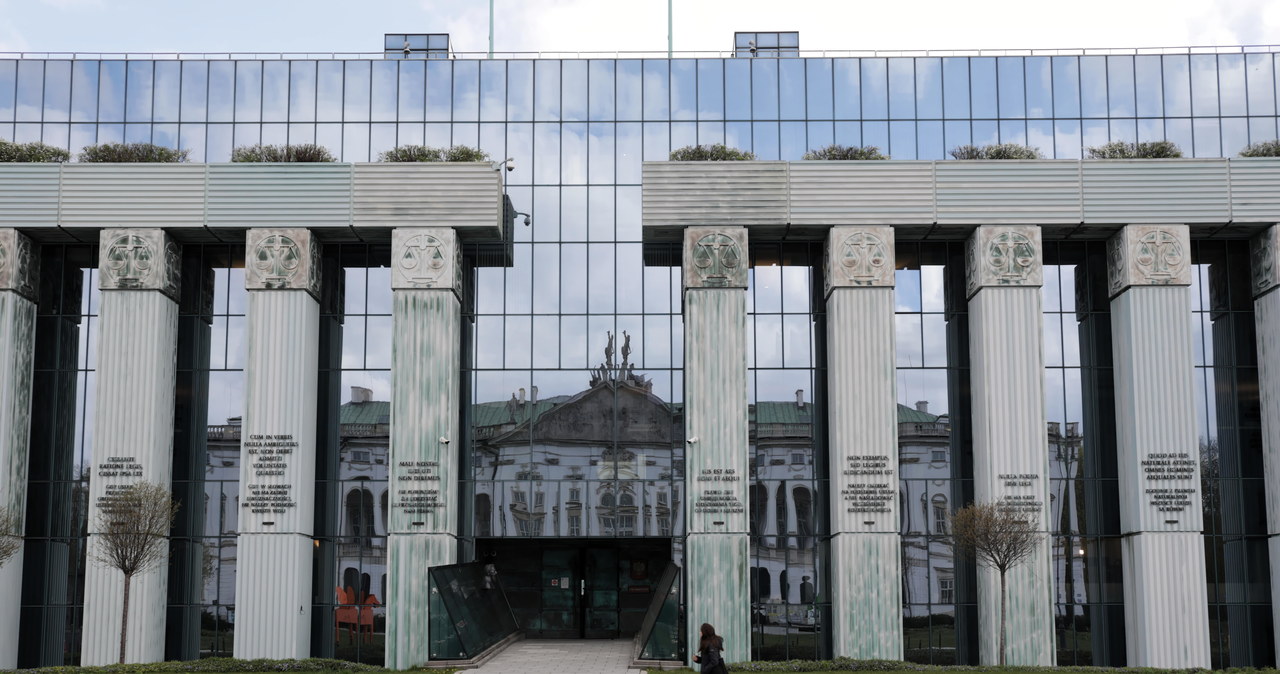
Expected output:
{"points": [[499, 413], [372, 412], [908, 415], [781, 412]]}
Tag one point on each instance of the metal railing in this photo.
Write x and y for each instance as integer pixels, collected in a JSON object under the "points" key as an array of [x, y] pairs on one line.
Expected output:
{"points": [[644, 54]]}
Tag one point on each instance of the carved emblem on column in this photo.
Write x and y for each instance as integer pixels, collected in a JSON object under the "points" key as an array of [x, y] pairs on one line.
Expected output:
{"points": [[859, 256], [1263, 248], [426, 258], [1004, 256], [282, 259], [19, 264], [715, 257], [1149, 255], [139, 259]]}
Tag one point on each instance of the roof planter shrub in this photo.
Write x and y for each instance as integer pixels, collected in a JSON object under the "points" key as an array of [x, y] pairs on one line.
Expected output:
{"points": [[131, 153], [1269, 148], [1159, 149], [998, 151], [301, 153], [36, 153], [422, 153], [845, 152], [717, 152]]}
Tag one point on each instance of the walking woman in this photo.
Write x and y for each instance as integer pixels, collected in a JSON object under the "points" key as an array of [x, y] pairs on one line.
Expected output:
{"points": [[710, 652]]}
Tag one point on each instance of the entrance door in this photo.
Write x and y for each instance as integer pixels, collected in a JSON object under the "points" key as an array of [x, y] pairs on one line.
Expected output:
{"points": [[578, 588]]}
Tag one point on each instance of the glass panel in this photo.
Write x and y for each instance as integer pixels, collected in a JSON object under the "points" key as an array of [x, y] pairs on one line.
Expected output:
{"points": [[737, 90], [411, 91], [1231, 81], [684, 89], [57, 91], [439, 90], [8, 81], [248, 91], [791, 90], [111, 92], [656, 90], [1260, 80], [329, 91], [1204, 84], [847, 90], [384, 94], [466, 91], [1093, 86], [1012, 99], [982, 75], [630, 86], [928, 88], [875, 97], [355, 90], [546, 92], [1177, 85], [1120, 85], [601, 104], [710, 88], [195, 89], [1066, 86], [275, 91], [302, 91], [955, 87], [573, 96], [138, 91], [1039, 73], [1147, 79], [519, 91], [902, 89]]}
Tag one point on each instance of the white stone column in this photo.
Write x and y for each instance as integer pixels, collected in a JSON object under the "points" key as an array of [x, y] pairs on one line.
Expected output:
{"points": [[138, 273], [426, 280], [1165, 606], [1266, 312], [866, 596], [716, 438], [278, 445], [1010, 443], [19, 283]]}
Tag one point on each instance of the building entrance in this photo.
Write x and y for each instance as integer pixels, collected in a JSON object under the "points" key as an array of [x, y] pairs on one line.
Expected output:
{"points": [[586, 588]]}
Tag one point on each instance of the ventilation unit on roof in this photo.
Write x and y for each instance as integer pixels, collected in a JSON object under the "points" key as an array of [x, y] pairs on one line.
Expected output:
{"points": [[766, 44], [416, 45]]}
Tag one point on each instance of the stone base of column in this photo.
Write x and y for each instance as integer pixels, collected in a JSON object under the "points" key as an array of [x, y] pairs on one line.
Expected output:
{"points": [[273, 614], [716, 575], [866, 596], [1166, 613], [408, 600], [103, 599], [1029, 633], [10, 610]]}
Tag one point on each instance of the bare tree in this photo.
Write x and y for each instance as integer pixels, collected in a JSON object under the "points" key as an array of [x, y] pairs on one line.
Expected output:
{"points": [[1001, 537], [10, 533], [133, 536]]}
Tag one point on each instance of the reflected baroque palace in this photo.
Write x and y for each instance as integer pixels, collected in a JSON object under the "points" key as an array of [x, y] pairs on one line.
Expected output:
{"points": [[411, 411]]}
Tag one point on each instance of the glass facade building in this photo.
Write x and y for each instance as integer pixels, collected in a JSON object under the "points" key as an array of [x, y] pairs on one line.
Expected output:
{"points": [[573, 456]]}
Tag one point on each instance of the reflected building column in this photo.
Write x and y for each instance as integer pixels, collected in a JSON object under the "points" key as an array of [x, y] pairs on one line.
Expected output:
{"points": [[1004, 273], [1165, 607], [715, 394], [866, 596], [1266, 311], [138, 273], [278, 445], [19, 284], [426, 279]]}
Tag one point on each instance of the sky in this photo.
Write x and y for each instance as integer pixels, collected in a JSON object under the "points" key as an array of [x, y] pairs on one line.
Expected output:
{"points": [[566, 26]]}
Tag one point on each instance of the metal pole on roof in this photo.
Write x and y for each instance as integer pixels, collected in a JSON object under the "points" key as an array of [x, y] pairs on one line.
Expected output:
{"points": [[490, 28], [668, 28]]}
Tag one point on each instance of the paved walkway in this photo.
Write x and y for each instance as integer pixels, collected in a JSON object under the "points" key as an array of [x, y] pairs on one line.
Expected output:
{"points": [[564, 656]]}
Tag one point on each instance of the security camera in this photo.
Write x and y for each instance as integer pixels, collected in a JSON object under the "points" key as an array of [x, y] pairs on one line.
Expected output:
{"points": [[444, 440], [511, 166], [692, 439]]}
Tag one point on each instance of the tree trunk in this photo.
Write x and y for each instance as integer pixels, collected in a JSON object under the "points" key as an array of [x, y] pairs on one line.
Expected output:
{"points": [[1004, 610], [124, 617]]}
